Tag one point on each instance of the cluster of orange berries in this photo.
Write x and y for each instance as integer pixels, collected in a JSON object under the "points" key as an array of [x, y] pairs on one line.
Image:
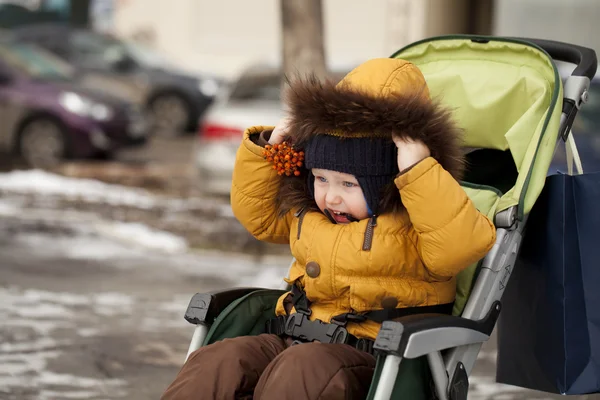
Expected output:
{"points": [[286, 160]]}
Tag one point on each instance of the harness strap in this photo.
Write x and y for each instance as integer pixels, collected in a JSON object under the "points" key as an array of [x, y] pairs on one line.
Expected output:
{"points": [[299, 300], [276, 326], [302, 330], [391, 313], [302, 305]]}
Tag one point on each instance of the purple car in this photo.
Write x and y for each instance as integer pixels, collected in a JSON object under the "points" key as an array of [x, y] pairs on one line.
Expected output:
{"points": [[47, 116]]}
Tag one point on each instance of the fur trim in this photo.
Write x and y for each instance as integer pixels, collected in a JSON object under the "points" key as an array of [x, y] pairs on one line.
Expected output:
{"points": [[322, 107]]}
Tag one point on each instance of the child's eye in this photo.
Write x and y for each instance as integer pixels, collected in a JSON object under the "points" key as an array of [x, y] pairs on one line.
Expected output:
{"points": [[349, 184], [320, 179]]}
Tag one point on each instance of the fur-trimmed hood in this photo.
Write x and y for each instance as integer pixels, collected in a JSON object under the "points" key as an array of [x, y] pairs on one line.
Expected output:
{"points": [[380, 98]]}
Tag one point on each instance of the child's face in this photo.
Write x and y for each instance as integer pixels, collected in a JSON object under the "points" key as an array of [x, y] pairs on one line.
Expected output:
{"points": [[339, 193]]}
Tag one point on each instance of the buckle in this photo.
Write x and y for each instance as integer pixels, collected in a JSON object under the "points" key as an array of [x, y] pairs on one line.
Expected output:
{"points": [[365, 345], [300, 328], [307, 312]]}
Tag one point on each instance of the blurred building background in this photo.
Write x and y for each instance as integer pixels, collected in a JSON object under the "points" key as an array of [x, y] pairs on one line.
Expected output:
{"points": [[574, 21], [227, 35], [223, 37]]}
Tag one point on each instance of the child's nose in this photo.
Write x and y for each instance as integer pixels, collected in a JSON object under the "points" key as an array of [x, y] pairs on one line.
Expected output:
{"points": [[332, 197]]}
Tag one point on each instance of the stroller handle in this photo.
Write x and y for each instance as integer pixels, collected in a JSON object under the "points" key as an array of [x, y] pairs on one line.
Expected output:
{"points": [[583, 57]]}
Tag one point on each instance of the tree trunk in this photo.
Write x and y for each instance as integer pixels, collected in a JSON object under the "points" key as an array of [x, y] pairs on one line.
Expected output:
{"points": [[303, 49], [80, 13], [480, 17]]}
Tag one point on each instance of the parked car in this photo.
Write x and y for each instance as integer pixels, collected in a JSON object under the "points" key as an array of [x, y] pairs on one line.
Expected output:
{"points": [[174, 100], [254, 98], [47, 117]]}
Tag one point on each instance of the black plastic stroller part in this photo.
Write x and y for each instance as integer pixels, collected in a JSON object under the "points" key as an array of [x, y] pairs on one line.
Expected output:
{"points": [[205, 307], [300, 327], [302, 330], [583, 57], [459, 385], [570, 109], [393, 336]]}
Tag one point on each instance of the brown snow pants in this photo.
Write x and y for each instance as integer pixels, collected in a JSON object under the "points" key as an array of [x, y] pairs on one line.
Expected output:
{"points": [[266, 367]]}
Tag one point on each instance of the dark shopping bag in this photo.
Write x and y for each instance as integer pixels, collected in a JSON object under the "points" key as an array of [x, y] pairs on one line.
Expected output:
{"points": [[549, 327]]}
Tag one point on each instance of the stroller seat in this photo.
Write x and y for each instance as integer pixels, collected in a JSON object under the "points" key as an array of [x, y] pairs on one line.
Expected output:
{"points": [[508, 97]]}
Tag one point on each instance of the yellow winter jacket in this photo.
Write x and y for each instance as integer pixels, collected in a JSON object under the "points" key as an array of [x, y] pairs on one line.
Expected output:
{"points": [[424, 236], [414, 260]]}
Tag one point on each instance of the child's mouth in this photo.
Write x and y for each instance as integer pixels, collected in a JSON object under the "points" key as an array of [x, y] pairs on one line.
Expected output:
{"points": [[339, 217]]}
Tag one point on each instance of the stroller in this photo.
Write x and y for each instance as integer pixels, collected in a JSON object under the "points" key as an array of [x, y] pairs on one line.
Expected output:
{"points": [[507, 95]]}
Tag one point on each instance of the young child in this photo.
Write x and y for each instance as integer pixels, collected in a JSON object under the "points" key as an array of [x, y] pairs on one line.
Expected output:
{"points": [[364, 190]]}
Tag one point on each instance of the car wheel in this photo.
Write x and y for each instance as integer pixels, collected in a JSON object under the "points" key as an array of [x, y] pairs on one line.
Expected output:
{"points": [[42, 143], [104, 155], [171, 115]]}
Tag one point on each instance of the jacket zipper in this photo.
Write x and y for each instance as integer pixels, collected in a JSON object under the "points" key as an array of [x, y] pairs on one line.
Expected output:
{"points": [[369, 233], [300, 215]]}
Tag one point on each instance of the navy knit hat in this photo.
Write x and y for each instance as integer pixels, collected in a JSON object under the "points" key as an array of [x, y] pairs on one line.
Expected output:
{"points": [[372, 160]]}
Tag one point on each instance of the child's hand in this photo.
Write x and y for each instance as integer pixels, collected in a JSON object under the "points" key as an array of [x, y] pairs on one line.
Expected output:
{"points": [[410, 152], [280, 132]]}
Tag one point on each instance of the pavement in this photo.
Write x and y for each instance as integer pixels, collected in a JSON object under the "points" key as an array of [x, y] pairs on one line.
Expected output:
{"points": [[85, 317]]}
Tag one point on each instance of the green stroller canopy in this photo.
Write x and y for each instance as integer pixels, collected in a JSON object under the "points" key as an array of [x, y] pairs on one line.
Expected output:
{"points": [[506, 94]]}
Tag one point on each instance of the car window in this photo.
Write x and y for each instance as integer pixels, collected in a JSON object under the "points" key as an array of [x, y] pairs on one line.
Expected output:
{"points": [[91, 42], [35, 62], [51, 38], [265, 85], [55, 45], [147, 56], [257, 87], [96, 50]]}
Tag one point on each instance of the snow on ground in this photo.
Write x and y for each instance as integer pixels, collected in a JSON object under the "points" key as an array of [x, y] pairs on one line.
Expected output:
{"points": [[38, 182], [486, 388], [118, 252], [43, 183], [29, 317], [91, 237], [46, 183], [7, 208], [140, 235], [42, 328], [118, 234]]}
